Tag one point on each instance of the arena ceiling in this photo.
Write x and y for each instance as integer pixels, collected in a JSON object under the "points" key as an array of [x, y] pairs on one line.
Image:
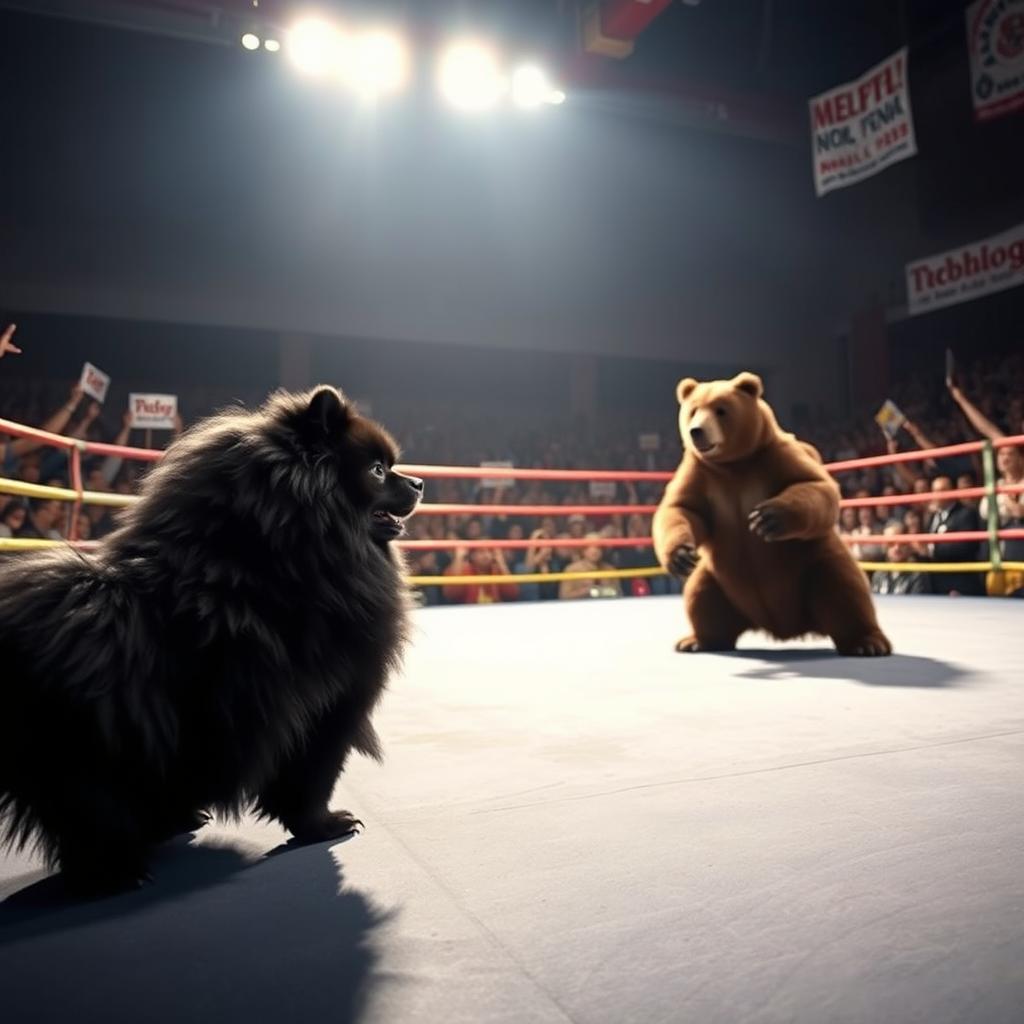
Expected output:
{"points": [[742, 67]]}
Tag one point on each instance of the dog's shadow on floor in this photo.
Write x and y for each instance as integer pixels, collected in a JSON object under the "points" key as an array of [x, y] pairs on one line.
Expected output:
{"points": [[221, 934], [823, 663]]}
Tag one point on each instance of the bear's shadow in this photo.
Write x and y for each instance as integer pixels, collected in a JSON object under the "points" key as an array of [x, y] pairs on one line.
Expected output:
{"points": [[218, 936], [823, 663]]}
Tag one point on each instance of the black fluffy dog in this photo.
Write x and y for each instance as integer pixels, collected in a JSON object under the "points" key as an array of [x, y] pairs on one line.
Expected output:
{"points": [[225, 647]]}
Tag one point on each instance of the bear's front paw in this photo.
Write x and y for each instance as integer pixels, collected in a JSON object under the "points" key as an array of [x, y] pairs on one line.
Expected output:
{"points": [[683, 561], [770, 522]]}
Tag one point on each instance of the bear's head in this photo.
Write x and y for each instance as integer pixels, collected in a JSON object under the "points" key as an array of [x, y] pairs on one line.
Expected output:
{"points": [[724, 420]]}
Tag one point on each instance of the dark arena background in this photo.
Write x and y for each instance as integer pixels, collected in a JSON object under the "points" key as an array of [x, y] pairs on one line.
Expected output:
{"points": [[507, 230]]}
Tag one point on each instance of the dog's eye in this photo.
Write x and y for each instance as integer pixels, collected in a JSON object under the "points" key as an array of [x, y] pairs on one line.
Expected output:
{"points": [[378, 470], [720, 412]]}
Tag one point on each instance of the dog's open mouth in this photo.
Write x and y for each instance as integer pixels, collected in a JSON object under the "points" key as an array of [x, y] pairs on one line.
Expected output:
{"points": [[386, 523], [705, 447]]}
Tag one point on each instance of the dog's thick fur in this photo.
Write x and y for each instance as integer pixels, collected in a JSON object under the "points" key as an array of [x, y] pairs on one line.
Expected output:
{"points": [[224, 648]]}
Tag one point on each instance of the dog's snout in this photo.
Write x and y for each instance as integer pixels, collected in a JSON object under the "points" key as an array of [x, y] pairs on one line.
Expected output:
{"points": [[415, 483]]}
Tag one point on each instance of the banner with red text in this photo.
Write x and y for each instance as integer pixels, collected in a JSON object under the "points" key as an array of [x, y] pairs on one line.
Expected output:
{"points": [[973, 270], [995, 44], [861, 127]]}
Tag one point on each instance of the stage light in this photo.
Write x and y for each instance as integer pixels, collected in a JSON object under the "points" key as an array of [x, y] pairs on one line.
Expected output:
{"points": [[470, 77], [375, 63], [271, 45], [251, 41], [315, 46], [532, 88]]}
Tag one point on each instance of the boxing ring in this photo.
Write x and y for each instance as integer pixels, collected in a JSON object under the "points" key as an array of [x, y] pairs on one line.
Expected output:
{"points": [[574, 823]]}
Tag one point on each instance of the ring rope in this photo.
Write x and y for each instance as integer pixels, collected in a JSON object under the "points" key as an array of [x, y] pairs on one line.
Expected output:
{"points": [[79, 496]]}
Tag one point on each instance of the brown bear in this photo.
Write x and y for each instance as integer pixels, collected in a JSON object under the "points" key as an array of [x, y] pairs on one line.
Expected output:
{"points": [[760, 510]]}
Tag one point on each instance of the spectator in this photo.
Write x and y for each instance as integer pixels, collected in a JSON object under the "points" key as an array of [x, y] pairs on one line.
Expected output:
{"points": [[902, 582], [22, 446], [981, 423], [636, 558], [913, 523], [886, 515], [596, 586], [867, 526], [540, 558], [479, 562], [953, 516], [12, 519], [42, 522], [1010, 513], [425, 563], [7, 346]]}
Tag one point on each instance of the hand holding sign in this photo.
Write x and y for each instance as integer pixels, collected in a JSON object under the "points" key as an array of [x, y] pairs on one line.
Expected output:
{"points": [[890, 418], [6, 345]]}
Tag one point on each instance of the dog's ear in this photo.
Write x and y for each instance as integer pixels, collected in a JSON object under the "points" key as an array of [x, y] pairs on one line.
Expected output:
{"points": [[685, 388], [328, 410], [749, 383]]}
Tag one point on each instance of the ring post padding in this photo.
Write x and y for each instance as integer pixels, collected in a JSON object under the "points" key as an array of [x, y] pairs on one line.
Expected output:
{"points": [[988, 463]]}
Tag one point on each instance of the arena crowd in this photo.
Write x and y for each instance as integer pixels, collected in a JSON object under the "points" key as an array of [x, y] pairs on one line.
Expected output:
{"points": [[984, 400]]}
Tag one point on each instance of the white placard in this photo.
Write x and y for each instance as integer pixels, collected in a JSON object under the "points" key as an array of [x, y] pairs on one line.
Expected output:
{"points": [[603, 488], [497, 483], [153, 412], [859, 128], [995, 46], [978, 268], [650, 442], [94, 382]]}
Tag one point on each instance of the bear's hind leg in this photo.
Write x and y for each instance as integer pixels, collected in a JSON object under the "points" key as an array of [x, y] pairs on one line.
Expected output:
{"points": [[717, 623], [841, 608]]}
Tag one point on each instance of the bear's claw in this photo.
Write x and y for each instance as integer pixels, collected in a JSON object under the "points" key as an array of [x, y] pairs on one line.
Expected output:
{"points": [[683, 561], [767, 522]]}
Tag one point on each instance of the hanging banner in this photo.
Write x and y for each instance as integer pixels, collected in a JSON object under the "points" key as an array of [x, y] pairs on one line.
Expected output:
{"points": [[995, 44], [973, 270], [861, 127]]}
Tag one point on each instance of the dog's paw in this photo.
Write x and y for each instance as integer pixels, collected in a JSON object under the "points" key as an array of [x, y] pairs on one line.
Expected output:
{"points": [[329, 825]]}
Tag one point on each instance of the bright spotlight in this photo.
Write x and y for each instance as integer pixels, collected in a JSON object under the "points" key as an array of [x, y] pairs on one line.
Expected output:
{"points": [[530, 87], [271, 45], [314, 46], [470, 77], [251, 41], [376, 63]]}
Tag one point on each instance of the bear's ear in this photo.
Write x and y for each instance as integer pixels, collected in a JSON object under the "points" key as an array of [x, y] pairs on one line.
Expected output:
{"points": [[685, 388], [328, 410], [749, 383]]}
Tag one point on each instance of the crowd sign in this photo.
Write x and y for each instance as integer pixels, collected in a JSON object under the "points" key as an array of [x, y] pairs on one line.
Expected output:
{"points": [[94, 382], [995, 44], [497, 483], [978, 268], [861, 127], [153, 412]]}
